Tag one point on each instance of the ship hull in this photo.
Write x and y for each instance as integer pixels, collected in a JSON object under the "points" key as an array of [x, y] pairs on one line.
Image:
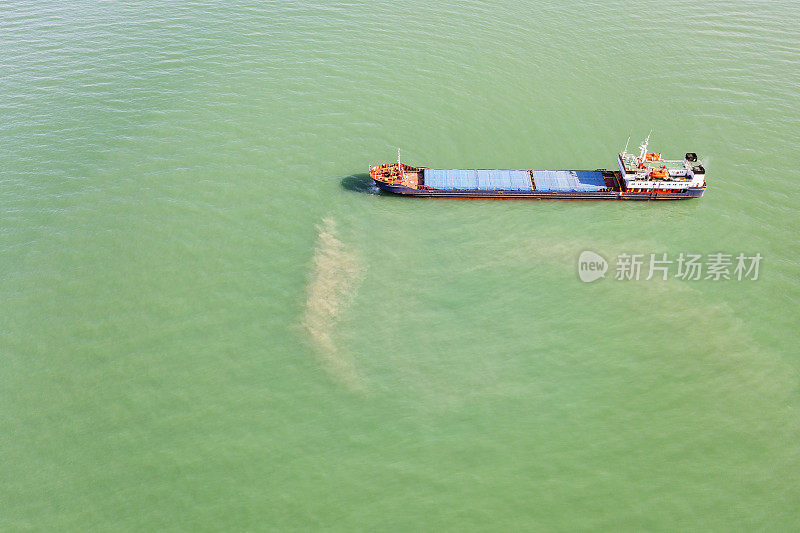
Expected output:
{"points": [[692, 192]]}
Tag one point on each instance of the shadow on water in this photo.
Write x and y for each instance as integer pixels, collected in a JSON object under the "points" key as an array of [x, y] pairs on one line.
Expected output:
{"points": [[360, 183]]}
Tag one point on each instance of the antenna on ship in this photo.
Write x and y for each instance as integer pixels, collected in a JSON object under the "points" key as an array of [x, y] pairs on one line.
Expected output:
{"points": [[643, 147], [625, 151], [399, 165]]}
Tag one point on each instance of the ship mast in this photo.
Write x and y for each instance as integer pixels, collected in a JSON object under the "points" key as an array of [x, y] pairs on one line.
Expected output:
{"points": [[643, 147], [399, 165]]}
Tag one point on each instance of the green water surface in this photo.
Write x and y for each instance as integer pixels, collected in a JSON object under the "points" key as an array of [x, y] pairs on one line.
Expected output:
{"points": [[212, 321]]}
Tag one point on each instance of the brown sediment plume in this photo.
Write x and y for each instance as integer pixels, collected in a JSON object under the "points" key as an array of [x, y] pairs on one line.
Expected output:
{"points": [[336, 273]]}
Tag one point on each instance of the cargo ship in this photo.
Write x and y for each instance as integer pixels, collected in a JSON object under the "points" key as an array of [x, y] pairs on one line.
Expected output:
{"points": [[642, 176]]}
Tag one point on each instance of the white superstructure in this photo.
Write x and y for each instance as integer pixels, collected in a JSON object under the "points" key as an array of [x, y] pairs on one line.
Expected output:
{"points": [[648, 171]]}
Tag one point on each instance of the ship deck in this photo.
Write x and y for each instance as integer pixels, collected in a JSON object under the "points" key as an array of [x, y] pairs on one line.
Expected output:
{"points": [[518, 180]]}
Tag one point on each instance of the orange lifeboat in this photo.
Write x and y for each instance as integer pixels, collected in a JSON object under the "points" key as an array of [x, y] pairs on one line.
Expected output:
{"points": [[659, 173], [653, 157]]}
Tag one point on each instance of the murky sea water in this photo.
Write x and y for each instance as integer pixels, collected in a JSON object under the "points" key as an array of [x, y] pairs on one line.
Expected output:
{"points": [[211, 320]]}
